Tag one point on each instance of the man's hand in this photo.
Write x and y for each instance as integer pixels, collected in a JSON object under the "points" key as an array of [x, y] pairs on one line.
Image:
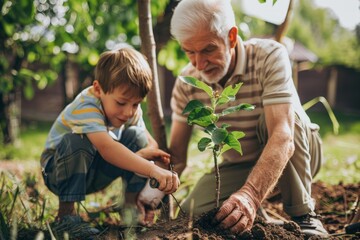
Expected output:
{"points": [[154, 154], [238, 212]]}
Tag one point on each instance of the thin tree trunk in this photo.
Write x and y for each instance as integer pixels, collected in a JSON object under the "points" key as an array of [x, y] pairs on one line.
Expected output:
{"points": [[148, 48], [281, 29]]}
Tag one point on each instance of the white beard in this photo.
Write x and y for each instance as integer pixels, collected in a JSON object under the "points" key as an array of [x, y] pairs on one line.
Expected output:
{"points": [[219, 75]]}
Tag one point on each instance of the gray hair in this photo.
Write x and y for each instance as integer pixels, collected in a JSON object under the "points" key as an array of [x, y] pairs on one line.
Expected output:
{"points": [[191, 15]]}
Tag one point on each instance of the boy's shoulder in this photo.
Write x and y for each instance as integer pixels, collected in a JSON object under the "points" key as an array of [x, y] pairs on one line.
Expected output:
{"points": [[84, 100]]}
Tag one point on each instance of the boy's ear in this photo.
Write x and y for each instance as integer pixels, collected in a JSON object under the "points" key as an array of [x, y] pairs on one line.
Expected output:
{"points": [[233, 33], [97, 88]]}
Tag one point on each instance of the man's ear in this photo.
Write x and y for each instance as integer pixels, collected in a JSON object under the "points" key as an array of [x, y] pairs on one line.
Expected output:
{"points": [[97, 88], [233, 34]]}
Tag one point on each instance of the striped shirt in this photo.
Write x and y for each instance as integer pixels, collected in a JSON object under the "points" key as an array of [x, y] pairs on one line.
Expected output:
{"points": [[264, 68], [85, 115]]}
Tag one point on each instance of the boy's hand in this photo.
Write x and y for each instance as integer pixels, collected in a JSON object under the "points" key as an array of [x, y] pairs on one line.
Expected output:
{"points": [[146, 215], [154, 154], [168, 180]]}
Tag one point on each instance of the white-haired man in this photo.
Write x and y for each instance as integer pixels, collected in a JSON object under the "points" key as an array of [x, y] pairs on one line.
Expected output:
{"points": [[281, 147]]}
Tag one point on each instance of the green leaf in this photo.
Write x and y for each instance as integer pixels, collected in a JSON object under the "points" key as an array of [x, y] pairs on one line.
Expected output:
{"points": [[225, 125], [241, 106], [203, 143], [225, 148], [219, 135], [198, 84], [262, 1], [229, 93], [202, 117], [232, 141], [238, 134], [210, 129], [192, 105]]}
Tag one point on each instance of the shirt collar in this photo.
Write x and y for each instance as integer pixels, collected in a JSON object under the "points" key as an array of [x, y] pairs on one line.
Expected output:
{"points": [[240, 59]]}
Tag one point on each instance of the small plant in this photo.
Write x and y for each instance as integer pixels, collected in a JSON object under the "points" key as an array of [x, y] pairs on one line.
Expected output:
{"points": [[220, 139]]}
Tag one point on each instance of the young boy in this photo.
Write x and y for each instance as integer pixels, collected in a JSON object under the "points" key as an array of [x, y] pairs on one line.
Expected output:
{"points": [[101, 135]]}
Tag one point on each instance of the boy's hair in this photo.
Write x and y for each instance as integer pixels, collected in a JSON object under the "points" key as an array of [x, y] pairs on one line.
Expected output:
{"points": [[124, 67]]}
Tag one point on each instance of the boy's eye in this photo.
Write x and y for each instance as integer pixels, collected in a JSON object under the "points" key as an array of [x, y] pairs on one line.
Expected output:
{"points": [[121, 103]]}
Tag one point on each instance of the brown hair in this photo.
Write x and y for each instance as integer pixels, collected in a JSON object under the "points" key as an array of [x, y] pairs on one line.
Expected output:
{"points": [[124, 67]]}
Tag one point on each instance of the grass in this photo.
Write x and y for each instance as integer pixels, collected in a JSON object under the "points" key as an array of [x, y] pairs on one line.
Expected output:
{"points": [[341, 152]]}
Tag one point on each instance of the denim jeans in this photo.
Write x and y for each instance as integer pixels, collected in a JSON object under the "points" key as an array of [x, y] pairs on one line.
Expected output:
{"points": [[75, 168]]}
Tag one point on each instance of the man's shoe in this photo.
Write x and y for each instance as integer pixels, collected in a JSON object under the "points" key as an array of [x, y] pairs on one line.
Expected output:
{"points": [[310, 225], [75, 227]]}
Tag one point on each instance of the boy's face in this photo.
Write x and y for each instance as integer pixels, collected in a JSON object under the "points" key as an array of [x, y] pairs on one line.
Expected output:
{"points": [[119, 106]]}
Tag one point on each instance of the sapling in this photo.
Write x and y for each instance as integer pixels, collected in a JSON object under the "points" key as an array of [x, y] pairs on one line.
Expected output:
{"points": [[206, 117]]}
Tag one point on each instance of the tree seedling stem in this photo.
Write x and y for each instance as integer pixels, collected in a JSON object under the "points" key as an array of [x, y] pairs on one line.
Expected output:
{"points": [[220, 139]]}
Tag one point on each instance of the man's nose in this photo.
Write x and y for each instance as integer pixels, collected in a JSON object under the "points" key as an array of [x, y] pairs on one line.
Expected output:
{"points": [[201, 62]]}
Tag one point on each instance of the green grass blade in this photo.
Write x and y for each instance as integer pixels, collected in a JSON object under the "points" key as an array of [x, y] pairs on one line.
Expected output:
{"points": [[330, 112]]}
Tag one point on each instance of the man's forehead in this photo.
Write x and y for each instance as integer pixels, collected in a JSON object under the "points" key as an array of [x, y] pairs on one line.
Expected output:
{"points": [[200, 42]]}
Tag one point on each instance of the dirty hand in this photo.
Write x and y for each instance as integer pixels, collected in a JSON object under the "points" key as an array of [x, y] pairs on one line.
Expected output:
{"points": [[154, 154], [146, 215], [168, 180], [238, 212]]}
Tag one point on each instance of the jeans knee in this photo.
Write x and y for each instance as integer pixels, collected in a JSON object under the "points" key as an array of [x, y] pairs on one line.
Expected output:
{"points": [[72, 143], [134, 138]]}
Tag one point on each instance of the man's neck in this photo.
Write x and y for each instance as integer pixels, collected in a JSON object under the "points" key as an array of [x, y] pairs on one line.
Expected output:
{"points": [[233, 61]]}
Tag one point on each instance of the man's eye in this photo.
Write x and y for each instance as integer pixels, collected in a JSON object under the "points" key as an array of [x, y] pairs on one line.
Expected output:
{"points": [[209, 50], [121, 103]]}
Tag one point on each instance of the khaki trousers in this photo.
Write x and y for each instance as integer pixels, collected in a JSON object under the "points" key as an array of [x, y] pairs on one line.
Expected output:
{"points": [[294, 184]]}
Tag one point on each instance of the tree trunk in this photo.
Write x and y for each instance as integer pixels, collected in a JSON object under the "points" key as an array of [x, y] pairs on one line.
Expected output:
{"points": [[10, 116], [282, 28], [148, 48]]}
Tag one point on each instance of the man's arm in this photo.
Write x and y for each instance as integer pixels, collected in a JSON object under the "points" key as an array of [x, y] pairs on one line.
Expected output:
{"points": [[238, 212], [278, 150], [179, 139]]}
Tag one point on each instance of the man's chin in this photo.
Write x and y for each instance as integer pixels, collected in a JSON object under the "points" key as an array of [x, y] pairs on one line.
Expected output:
{"points": [[210, 79]]}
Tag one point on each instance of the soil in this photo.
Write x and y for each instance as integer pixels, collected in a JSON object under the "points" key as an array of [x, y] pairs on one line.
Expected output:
{"points": [[334, 204]]}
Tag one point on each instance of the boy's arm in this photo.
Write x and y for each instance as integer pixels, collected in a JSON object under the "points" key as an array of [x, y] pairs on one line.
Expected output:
{"points": [[118, 155]]}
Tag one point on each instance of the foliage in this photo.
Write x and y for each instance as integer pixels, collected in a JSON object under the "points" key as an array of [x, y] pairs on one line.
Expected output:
{"points": [[22, 46], [206, 117], [333, 44]]}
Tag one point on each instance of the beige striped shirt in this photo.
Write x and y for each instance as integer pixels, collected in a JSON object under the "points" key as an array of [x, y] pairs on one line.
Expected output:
{"points": [[265, 70]]}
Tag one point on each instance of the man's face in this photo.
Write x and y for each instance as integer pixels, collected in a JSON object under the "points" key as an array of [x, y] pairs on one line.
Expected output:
{"points": [[120, 105], [209, 54]]}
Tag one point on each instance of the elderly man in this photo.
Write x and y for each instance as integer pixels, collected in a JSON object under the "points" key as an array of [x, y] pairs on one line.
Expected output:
{"points": [[281, 147]]}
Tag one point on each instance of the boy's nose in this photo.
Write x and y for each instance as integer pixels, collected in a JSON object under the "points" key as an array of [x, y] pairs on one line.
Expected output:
{"points": [[129, 112]]}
